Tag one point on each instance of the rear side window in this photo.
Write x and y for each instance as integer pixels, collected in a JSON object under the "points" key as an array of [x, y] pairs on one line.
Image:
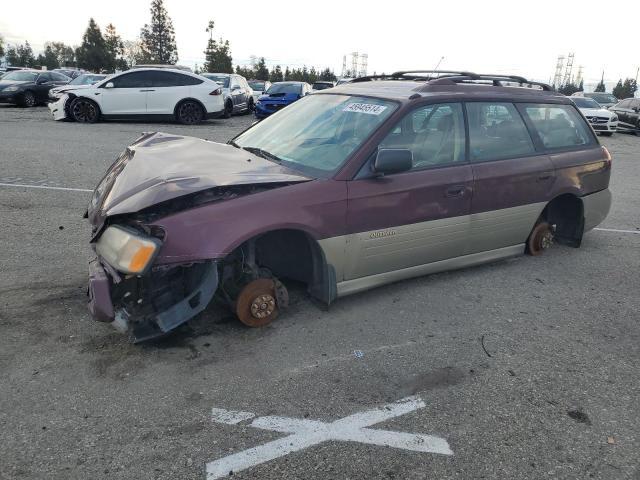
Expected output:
{"points": [[559, 126], [172, 79], [497, 131]]}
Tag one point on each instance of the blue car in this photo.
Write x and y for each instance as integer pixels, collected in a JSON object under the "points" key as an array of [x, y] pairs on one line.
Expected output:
{"points": [[279, 95]]}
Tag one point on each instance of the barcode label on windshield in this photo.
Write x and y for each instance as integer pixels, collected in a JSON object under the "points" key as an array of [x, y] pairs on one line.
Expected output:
{"points": [[367, 108]]}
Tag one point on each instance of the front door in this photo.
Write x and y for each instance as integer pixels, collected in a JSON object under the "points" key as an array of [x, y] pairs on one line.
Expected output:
{"points": [[128, 96], [419, 216]]}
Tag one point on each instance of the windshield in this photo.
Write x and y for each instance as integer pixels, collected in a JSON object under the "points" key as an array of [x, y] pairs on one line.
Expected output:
{"points": [[586, 103], [285, 88], [603, 97], [20, 76], [221, 79], [322, 86], [317, 134], [87, 79], [258, 86]]}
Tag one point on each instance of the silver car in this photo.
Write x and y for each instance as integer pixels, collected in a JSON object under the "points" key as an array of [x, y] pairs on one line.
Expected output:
{"points": [[238, 95]]}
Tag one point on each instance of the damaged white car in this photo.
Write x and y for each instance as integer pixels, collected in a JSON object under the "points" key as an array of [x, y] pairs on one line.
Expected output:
{"points": [[158, 93]]}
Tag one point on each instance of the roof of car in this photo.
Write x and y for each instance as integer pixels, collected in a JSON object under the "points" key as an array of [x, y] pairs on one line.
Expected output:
{"points": [[425, 83]]}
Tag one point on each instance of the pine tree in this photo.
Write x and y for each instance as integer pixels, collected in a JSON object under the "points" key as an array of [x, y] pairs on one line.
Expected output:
{"points": [[92, 54], [12, 56], [276, 74], [618, 90], [601, 87], [218, 54], [132, 53], [287, 74], [48, 59], [1, 46], [262, 72], [21, 55], [64, 53], [115, 49], [158, 39]]}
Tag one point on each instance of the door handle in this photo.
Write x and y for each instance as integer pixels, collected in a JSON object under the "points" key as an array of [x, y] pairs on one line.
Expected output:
{"points": [[545, 176], [455, 191], [148, 90]]}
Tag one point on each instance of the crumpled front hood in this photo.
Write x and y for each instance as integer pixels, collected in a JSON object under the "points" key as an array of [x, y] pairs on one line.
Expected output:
{"points": [[160, 166]]}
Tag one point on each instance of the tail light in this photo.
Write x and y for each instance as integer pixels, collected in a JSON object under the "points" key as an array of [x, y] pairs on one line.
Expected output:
{"points": [[217, 91], [607, 155]]}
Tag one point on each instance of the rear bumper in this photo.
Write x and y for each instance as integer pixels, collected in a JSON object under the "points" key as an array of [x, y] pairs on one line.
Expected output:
{"points": [[136, 309], [596, 208]]}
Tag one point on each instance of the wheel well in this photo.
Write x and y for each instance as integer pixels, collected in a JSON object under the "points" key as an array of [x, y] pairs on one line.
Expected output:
{"points": [[175, 109], [566, 213], [292, 254]]}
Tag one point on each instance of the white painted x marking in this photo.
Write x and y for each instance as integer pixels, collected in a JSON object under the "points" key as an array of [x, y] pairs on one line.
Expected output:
{"points": [[307, 433]]}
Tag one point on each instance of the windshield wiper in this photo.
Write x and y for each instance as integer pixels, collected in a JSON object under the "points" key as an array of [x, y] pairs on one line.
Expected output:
{"points": [[263, 154]]}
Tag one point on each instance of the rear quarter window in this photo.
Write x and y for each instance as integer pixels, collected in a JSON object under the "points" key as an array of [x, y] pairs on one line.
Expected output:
{"points": [[559, 126]]}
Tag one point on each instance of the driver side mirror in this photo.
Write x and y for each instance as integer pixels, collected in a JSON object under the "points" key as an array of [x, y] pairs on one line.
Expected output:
{"points": [[393, 160], [235, 87], [109, 85], [42, 81]]}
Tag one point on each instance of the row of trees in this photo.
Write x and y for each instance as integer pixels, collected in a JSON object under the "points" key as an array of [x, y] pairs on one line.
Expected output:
{"points": [[623, 89], [156, 45]]}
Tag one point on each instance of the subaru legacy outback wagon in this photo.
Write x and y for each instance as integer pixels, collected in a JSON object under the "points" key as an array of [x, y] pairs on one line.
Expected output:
{"points": [[375, 181]]}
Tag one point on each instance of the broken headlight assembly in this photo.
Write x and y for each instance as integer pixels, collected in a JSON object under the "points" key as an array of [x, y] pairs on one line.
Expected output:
{"points": [[127, 250]]}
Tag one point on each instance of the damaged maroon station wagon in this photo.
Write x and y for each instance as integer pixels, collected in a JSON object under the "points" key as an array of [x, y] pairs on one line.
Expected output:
{"points": [[379, 180]]}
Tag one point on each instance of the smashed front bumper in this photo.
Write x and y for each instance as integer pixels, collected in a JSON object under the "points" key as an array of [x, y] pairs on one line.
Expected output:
{"points": [[152, 305], [58, 109]]}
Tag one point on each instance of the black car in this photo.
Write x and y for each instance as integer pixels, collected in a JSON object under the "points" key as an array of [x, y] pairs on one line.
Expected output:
{"points": [[628, 111], [28, 88], [69, 72]]}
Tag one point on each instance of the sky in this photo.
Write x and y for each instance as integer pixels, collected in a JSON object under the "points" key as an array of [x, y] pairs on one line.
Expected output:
{"points": [[522, 38]]}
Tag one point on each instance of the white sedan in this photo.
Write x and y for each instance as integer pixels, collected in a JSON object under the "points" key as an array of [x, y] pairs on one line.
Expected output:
{"points": [[147, 92], [602, 120]]}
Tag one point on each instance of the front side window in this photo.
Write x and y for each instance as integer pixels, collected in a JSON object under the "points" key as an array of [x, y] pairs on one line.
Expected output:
{"points": [[497, 131], [434, 134], [134, 80], [559, 126], [317, 134]]}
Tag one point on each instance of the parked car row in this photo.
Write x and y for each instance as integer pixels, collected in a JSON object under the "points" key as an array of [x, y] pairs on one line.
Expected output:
{"points": [[607, 114], [159, 91]]}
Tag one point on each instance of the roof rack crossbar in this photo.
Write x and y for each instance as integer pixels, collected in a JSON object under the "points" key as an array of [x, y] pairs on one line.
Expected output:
{"points": [[407, 75], [495, 79]]}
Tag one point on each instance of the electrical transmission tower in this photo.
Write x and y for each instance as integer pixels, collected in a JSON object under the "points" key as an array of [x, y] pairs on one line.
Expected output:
{"points": [[344, 66], [568, 69], [363, 65], [557, 78], [579, 75]]}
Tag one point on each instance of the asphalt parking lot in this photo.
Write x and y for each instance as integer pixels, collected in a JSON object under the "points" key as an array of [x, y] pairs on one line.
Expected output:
{"points": [[527, 368]]}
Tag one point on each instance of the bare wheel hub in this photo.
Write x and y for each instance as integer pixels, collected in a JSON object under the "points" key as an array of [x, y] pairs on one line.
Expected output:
{"points": [[541, 238], [263, 306], [257, 305]]}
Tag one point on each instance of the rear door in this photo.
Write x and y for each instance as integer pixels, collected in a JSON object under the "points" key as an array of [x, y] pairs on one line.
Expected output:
{"points": [[512, 179], [128, 95], [168, 89], [419, 216], [623, 110]]}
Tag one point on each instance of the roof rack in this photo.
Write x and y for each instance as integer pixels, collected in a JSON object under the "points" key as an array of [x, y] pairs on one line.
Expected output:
{"points": [[450, 77], [407, 75], [496, 80]]}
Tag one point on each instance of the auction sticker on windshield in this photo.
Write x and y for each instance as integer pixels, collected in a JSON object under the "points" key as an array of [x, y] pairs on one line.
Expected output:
{"points": [[368, 108]]}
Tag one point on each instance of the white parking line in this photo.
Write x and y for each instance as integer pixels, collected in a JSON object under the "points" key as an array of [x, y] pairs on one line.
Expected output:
{"points": [[307, 433], [67, 189], [615, 230]]}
